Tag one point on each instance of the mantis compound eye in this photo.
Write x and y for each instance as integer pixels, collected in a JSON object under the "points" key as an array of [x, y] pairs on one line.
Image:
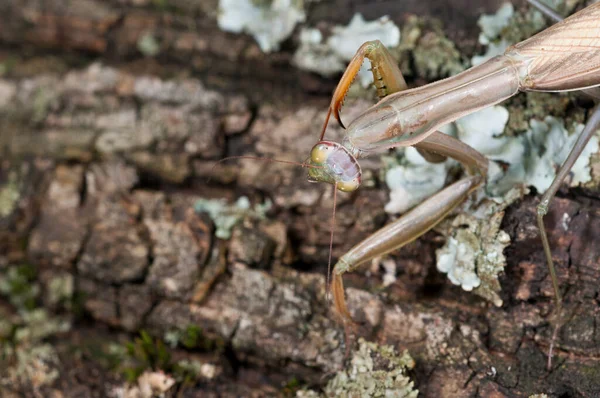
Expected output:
{"points": [[349, 186], [336, 166], [320, 153]]}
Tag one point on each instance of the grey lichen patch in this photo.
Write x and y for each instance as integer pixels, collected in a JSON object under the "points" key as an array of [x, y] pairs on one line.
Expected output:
{"points": [[226, 216], [533, 157], [436, 56], [7, 91], [148, 45], [59, 290], [26, 360], [411, 179], [168, 166], [473, 253], [36, 98], [34, 366], [491, 28], [507, 26], [374, 371], [269, 22], [538, 105]]}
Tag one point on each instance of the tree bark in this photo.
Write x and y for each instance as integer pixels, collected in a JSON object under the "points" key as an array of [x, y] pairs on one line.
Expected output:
{"points": [[108, 160]]}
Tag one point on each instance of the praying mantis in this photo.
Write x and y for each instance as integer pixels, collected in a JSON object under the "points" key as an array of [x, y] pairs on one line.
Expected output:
{"points": [[564, 57]]}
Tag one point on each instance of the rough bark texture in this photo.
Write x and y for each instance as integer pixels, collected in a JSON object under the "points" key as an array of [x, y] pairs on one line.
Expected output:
{"points": [[108, 162]]}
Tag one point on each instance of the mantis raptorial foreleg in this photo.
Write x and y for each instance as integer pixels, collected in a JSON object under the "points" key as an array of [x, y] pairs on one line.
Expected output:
{"points": [[429, 213], [387, 77], [417, 221]]}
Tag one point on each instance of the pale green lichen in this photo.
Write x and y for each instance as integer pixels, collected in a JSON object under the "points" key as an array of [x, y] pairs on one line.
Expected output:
{"points": [[269, 22], [472, 256], [412, 180], [27, 360], [25, 357], [553, 143], [331, 56], [226, 216], [148, 45], [533, 157], [34, 366], [374, 371], [491, 28], [41, 103], [60, 289], [473, 253], [506, 27], [492, 25], [10, 193], [435, 56], [37, 325]]}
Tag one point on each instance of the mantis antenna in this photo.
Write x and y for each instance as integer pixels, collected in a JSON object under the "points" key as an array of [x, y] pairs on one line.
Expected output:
{"points": [[331, 240], [269, 160]]}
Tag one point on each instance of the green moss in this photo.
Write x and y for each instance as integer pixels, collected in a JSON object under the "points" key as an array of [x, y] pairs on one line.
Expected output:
{"points": [[18, 284], [290, 388], [161, 4], [192, 337], [7, 65], [146, 353]]}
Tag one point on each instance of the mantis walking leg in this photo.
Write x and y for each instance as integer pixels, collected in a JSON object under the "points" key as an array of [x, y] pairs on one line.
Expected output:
{"points": [[542, 209], [419, 220], [590, 128], [544, 9], [437, 146]]}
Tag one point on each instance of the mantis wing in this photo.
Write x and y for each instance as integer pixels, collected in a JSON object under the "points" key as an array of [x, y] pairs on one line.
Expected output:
{"points": [[565, 56]]}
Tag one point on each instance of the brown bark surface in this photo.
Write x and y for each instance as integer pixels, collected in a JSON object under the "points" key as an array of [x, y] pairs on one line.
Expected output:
{"points": [[111, 150]]}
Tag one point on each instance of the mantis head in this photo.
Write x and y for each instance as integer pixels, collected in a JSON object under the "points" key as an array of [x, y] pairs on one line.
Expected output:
{"points": [[334, 165]]}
